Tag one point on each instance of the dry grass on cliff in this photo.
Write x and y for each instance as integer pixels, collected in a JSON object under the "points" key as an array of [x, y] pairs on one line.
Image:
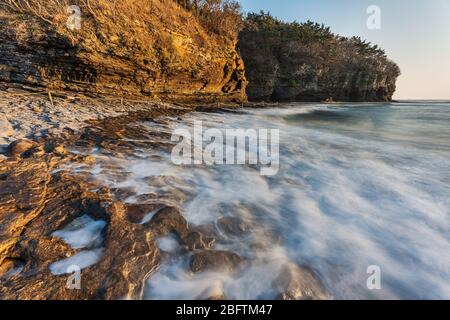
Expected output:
{"points": [[220, 19], [223, 17], [144, 31]]}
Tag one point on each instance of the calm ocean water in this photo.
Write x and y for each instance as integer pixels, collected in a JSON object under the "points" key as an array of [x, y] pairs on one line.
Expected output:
{"points": [[358, 185]]}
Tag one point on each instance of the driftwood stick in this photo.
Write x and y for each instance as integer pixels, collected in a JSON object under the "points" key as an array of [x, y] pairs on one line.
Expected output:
{"points": [[50, 98]]}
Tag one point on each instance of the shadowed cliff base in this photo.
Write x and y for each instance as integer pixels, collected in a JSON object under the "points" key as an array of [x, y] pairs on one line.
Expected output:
{"points": [[307, 62]]}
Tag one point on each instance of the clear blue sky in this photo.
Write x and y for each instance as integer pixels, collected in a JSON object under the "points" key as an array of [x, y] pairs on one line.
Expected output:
{"points": [[414, 33]]}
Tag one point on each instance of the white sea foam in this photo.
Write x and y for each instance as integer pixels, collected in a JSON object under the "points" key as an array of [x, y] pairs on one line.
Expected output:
{"points": [[168, 243], [82, 260], [82, 232]]}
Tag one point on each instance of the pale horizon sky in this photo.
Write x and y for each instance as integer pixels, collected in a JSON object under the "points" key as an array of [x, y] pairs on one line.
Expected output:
{"points": [[414, 33]]}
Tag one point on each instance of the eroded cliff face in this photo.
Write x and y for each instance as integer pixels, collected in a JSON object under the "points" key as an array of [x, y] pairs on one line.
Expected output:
{"points": [[294, 62], [124, 48]]}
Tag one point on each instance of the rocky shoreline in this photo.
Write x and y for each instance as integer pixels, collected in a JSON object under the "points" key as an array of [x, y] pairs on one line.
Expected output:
{"points": [[39, 197], [34, 115], [35, 201]]}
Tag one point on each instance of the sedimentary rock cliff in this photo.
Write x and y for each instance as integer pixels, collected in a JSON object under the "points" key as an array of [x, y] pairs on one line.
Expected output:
{"points": [[306, 62], [153, 48]]}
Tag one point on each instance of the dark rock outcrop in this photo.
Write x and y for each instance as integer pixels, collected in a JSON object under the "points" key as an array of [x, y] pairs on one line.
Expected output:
{"points": [[152, 49], [215, 261], [170, 220], [306, 62], [19, 147], [296, 283], [233, 226]]}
